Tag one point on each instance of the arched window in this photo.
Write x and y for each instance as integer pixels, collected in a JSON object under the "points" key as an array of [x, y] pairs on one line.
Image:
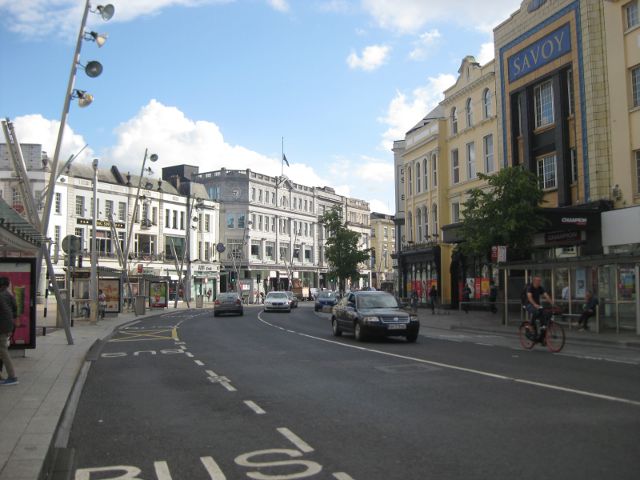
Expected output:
{"points": [[425, 215], [469, 112], [419, 224], [434, 215], [418, 179], [409, 227], [486, 103], [454, 121], [425, 174], [434, 170]]}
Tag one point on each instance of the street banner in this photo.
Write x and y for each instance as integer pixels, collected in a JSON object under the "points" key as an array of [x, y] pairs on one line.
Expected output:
{"points": [[484, 287], [22, 285]]}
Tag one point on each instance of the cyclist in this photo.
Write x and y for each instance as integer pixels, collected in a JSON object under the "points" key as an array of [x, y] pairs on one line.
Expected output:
{"points": [[536, 292]]}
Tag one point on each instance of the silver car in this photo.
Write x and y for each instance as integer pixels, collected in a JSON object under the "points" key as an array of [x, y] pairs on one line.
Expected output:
{"points": [[277, 302]]}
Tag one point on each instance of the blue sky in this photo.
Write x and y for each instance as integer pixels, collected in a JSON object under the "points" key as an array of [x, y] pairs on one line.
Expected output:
{"points": [[218, 82]]}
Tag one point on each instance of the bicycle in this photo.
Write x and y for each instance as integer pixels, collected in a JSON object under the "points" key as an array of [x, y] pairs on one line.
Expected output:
{"points": [[549, 334]]}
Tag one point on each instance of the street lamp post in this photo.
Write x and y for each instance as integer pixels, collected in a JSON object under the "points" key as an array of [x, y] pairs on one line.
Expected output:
{"points": [[93, 282]]}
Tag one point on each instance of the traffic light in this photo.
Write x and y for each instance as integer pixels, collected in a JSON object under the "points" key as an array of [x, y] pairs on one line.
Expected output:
{"points": [[233, 277]]}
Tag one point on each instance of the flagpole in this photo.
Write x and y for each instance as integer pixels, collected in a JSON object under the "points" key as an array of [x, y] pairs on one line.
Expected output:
{"points": [[282, 156]]}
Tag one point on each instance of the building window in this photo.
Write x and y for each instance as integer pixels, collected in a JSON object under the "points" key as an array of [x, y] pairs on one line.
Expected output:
{"points": [[471, 161], [79, 205], [455, 212], [167, 218], [269, 250], [418, 177], [434, 170], [419, 224], [175, 219], [631, 14], [574, 165], [486, 103], [241, 221], [487, 146], [425, 215], [410, 227], [207, 223], [56, 236], [409, 180], [425, 173], [108, 209], [434, 214], [543, 97], [231, 220], [58, 203], [469, 112], [154, 215], [273, 224], [79, 232], [455, 167], [273, 198], [181, 220], [547, 171], [260, 195], [454, 121], [122, 212], [570, 94], [255, 250], [637, 154], [635, 86], [253, 194]]}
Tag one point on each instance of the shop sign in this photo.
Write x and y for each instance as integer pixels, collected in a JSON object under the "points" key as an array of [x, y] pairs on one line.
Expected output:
{"points": [[540, 53], [562, 238], [99, 223], [205, 268], [498, 254], [579, 221]]}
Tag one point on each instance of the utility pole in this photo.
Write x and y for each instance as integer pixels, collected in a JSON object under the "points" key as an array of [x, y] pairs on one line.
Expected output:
{"points": [[93, 281]]}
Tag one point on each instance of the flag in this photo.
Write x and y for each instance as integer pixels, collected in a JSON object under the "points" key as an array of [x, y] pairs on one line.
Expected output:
{"points": [[284, 159]]}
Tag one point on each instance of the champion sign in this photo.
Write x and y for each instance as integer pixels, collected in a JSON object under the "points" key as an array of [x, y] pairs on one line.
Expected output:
{"points": [[540, 53], [580, 221]]}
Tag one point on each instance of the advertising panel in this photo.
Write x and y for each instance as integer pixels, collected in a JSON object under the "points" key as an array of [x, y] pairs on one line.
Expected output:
{"points": [[111, 289], [158, 297], [22, 285]]}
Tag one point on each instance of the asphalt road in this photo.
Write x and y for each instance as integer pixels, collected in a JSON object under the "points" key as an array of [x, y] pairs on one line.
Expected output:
{"points": [[273, 396]]}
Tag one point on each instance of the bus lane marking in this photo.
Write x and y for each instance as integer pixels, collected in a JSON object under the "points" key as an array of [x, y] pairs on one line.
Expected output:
{"points": [[300, 444]]}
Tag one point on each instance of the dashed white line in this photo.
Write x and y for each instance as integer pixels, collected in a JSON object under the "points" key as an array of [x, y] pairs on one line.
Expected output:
{"points": [[189, 354], [199, 362], [300, 444], [211, 373], [548, 386], [255, 407], [214, 471], [342, 476], [228, 386]]}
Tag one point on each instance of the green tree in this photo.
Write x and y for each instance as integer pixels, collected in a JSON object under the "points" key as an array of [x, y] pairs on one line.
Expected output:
{"points": [[342, 251], [505, 212]]}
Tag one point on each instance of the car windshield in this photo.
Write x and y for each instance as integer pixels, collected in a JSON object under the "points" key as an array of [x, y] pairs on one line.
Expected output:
{"points": [[278, 295], [289, 294], [327, 295], [376, 301]]}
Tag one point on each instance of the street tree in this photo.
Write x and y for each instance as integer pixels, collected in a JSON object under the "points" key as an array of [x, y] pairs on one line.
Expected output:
{"points": [[505, 212], [342, 249]]}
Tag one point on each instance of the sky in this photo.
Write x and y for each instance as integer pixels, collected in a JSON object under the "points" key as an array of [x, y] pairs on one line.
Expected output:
{"points": [[219, 83]]}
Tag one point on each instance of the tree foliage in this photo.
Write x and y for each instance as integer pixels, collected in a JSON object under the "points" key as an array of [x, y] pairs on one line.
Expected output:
{"points": [[342, 250], [506, 212]]}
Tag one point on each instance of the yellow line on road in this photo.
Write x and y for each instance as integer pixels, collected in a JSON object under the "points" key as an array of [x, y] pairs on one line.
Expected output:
{"points": [[174, 334]]}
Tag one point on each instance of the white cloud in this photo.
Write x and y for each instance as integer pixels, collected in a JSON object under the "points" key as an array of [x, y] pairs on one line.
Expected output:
{"points": [[279, 5], [422, 47], [409, 16], [486, 53], [37, 129], [43, 18], [374, 170], [372, 57], [405, 111], [379, 206]]}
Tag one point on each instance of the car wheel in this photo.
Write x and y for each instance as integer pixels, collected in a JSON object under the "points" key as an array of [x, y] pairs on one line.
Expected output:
{"points": [[215, 314], [241, 313], [412, 337], [315, 308], [336, 329], [358, 333]]}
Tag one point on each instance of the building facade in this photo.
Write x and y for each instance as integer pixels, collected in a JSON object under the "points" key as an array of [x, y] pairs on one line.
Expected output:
{"points": [[383, 244]]}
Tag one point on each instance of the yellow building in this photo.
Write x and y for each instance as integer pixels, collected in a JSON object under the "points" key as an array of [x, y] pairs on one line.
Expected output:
{"points": [[383, 242]]}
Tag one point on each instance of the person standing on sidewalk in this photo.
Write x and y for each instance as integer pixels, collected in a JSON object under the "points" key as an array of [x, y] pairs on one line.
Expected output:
{"points": [[466, 298], [433, 294], [102, 304], [493, 296], [8, 315]]}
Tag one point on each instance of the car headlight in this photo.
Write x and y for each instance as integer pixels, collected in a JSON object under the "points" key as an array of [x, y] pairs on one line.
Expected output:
{"points": [[370, 319], [413, 318]]}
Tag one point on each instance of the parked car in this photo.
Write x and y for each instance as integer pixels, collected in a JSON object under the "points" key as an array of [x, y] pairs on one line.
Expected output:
{"points": [[325, 298], [368, 313], [293, 300], [313, 293], [277, 302], [229, 302]]}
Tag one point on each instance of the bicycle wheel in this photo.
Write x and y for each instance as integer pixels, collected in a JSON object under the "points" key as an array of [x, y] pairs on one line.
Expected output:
{"points": [[554, 337], [527, 335]]}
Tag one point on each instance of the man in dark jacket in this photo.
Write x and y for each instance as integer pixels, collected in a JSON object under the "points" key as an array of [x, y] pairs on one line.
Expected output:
{"points": [[8, 314]]}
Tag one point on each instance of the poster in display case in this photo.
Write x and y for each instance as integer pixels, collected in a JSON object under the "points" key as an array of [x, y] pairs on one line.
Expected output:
{"points": [[22, 285]]}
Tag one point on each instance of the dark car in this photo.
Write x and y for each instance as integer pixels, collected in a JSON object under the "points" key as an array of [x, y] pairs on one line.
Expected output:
{"points": [[293, 300], [375, 314], [228, 303], [325, 298]]}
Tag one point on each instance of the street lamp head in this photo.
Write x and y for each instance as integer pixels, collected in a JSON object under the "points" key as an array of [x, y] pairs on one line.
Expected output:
{"points": [[106, 11], [99, 38], [93, 69], [153, 157], [84, 98], [95, 163]]}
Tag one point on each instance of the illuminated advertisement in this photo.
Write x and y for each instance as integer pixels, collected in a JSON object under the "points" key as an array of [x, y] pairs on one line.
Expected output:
{"points": [[158, 297], [111, 289]]}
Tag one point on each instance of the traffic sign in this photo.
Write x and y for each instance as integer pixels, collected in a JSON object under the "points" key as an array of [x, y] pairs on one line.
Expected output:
{"points": [[71, 244]]}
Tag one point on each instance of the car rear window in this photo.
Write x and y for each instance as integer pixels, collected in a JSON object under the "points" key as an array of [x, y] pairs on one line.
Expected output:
{"points": [[327, 294], [227, 296]]}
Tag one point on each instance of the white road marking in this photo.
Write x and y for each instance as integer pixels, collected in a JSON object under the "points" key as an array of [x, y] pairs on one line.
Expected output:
{"points": [[484, 344], [211, 373], [200, 363], [162, 470], [213, 469], [228, 386], [342, 476], [255, 407], [300, 444], [473, 371], [189, 354]]}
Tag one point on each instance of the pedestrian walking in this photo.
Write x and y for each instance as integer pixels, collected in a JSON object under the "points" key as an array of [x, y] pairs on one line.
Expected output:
{"points": [[433, 294], [102, 304], [8, 323], [493, 296], [466, 298], [414, 302]]}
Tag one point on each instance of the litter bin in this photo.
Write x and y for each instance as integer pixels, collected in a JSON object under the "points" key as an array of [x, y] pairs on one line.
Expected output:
{"points": [[199, 301], [140, 306]]}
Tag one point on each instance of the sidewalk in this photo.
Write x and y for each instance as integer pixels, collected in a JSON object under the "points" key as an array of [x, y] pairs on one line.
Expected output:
{"points": [[486, 322], [30, 412]]}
